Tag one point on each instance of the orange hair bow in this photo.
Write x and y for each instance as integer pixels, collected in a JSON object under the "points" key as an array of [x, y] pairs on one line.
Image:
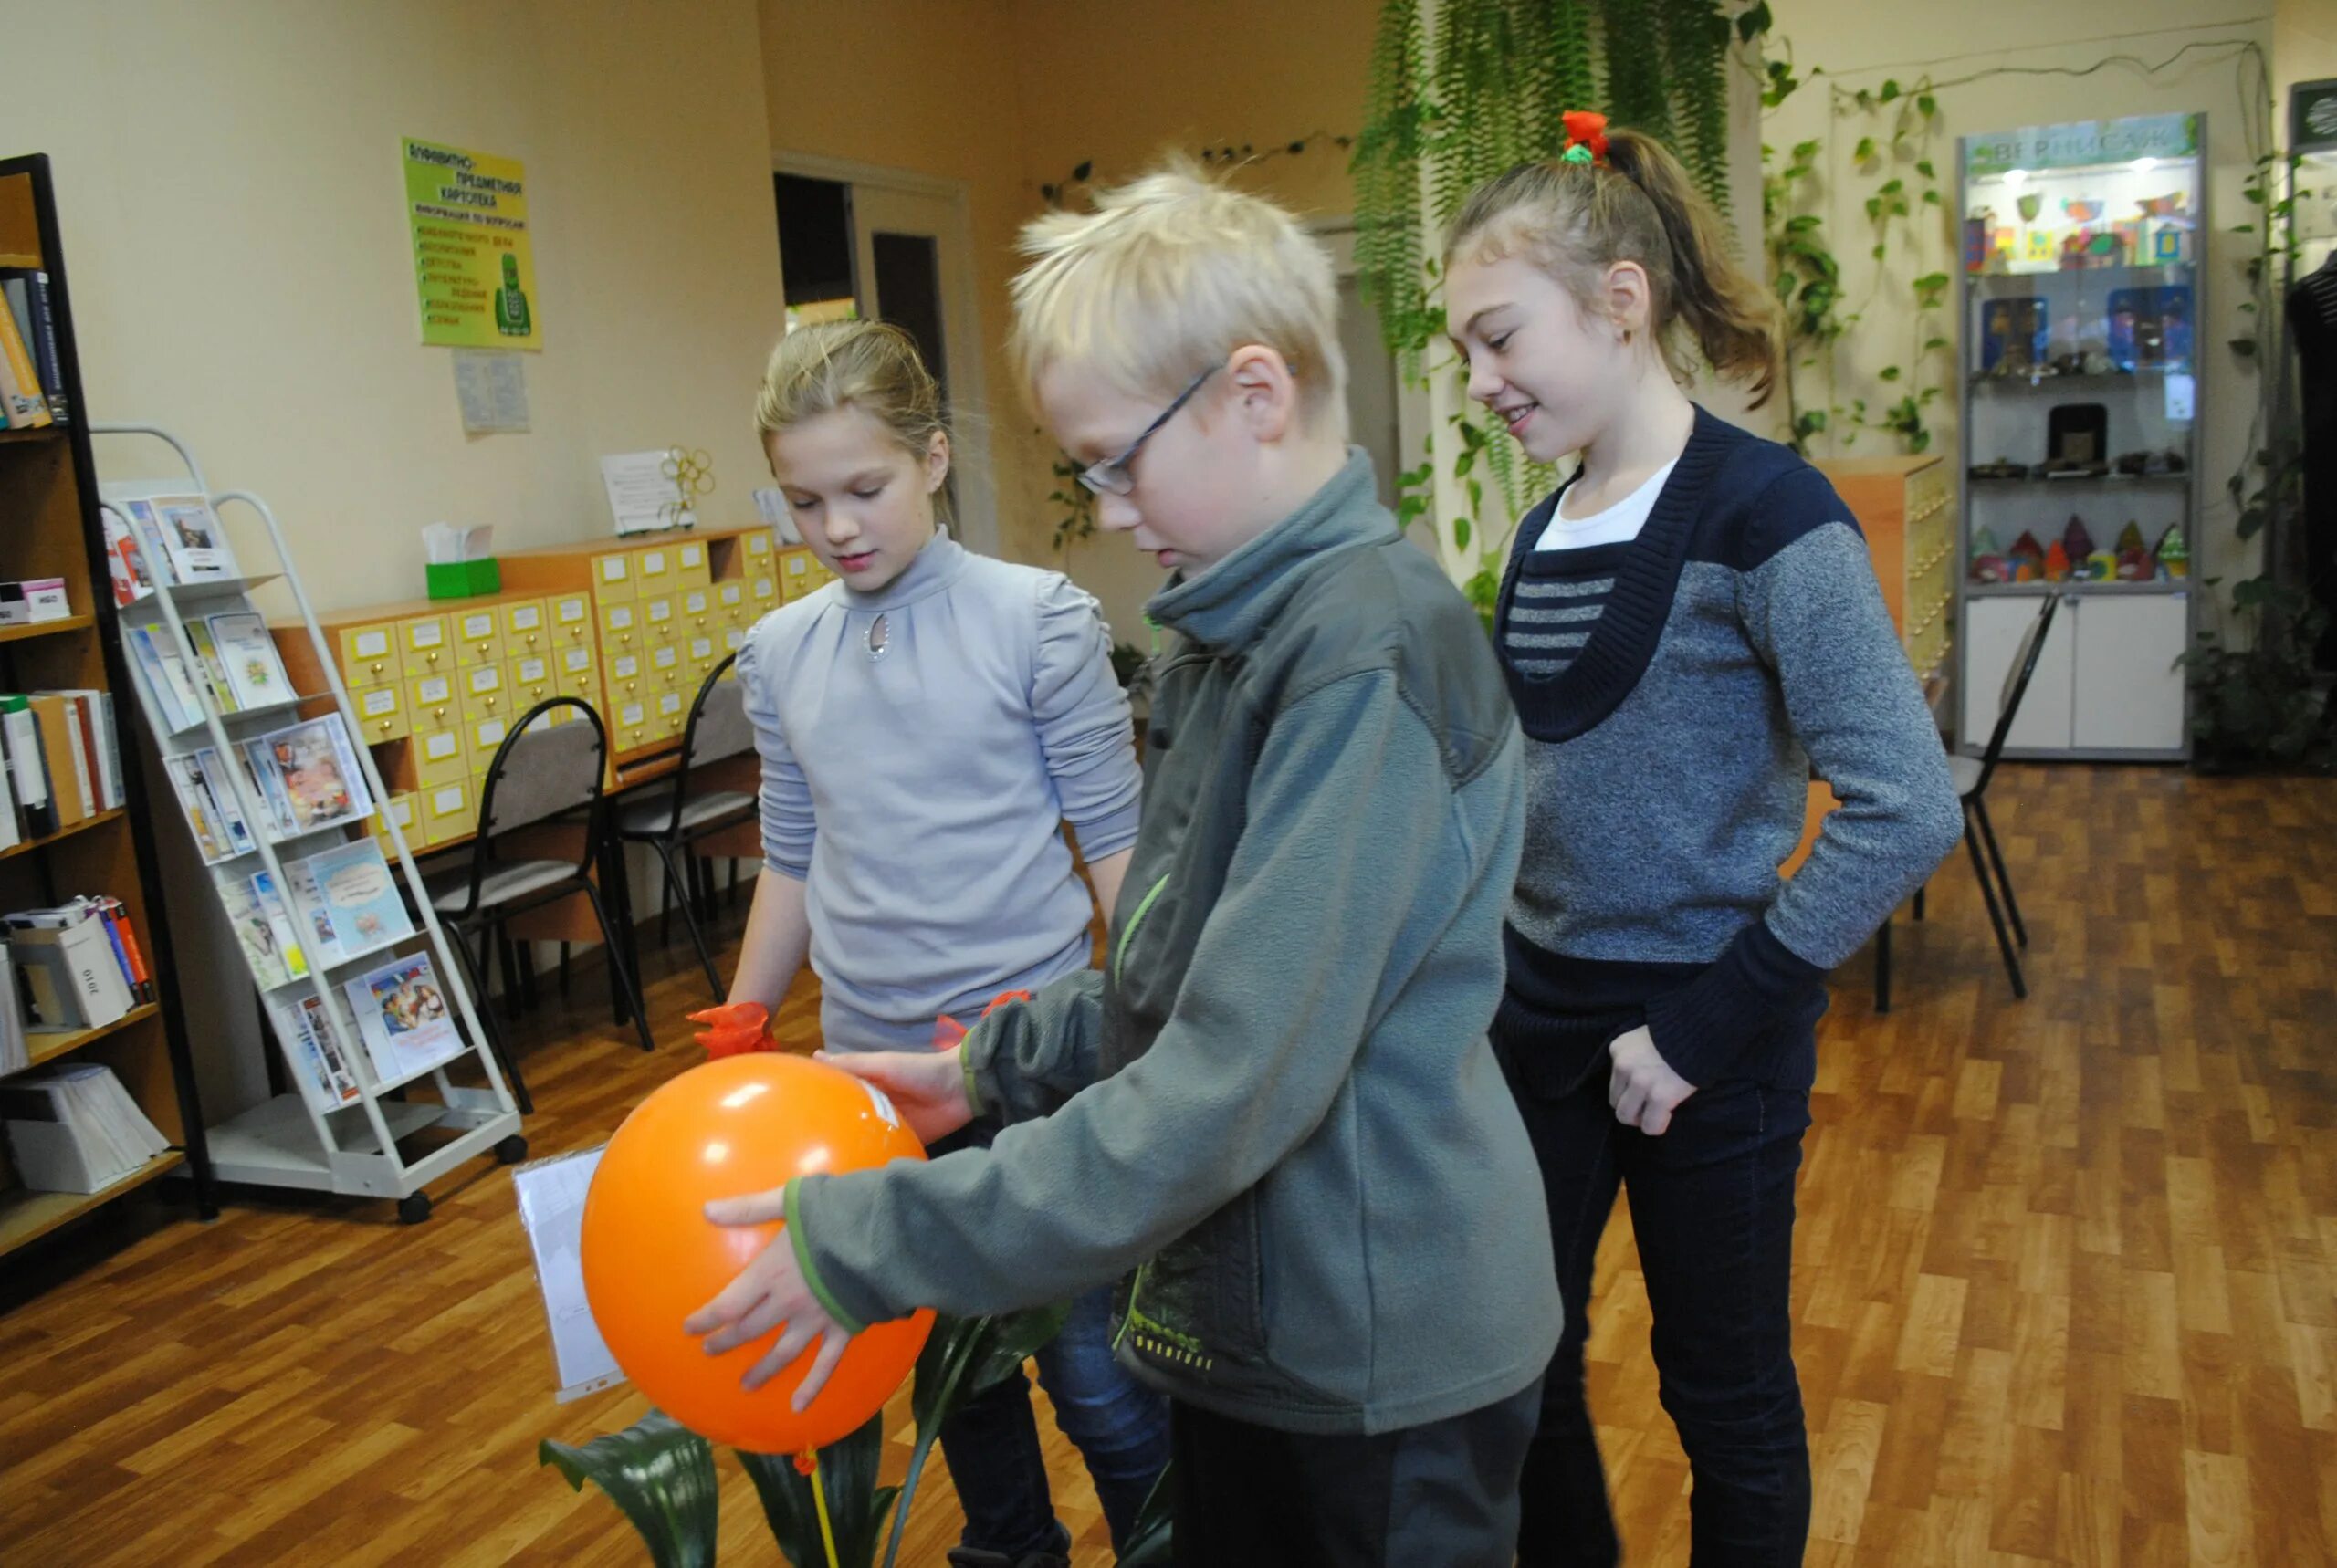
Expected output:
{"points": [[1585, 137]]}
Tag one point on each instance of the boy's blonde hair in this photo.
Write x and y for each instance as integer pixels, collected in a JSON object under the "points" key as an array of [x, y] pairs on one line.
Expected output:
{"points": [[1167, 276], [872, 366]]}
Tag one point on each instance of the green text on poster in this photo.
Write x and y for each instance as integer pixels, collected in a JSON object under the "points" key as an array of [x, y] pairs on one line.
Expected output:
{"points": [[472, 259]]}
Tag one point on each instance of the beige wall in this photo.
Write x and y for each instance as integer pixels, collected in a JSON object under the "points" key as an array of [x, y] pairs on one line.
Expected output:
{"points": [[228, 177]]}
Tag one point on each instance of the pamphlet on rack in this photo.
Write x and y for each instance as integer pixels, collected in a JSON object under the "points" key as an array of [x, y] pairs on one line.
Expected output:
{"points": [[403, 1018], [308, 776], [304, 1025], [348, 901]]}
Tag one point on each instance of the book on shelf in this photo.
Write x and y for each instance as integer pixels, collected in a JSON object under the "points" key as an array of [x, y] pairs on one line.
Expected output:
{"points": [[48, 729], [87, 722], [26, 288], [15, 1049], [12, 824], [308, 776], [72, 1127], [27, 766], [73, 966], [312, 1046], [403, 1018], [347, 901], [20, 396]]}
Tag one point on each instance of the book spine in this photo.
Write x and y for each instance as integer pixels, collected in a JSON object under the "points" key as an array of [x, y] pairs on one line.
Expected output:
{"points": [[28, 751], [111, 922], [141, 978], [109, 738], [22, 391], [47, 361]]}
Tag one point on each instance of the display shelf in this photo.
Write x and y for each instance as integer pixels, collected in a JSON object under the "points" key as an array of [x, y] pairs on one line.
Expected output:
{"points": [[2084, 589], [48, 1047], [2081, 249], [46, 628], [50, 527], [27, 1215], [42, 843]]}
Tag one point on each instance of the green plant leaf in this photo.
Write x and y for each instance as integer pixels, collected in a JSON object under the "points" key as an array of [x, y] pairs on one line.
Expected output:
{"points": [[857, 1506], [1460, 532], [1890, 89], [962, 1357], [1148, 1543], [1865, 152], [661, 1474], [1889, 372], [1926, 106], [1752, 22], [2244, 346]]}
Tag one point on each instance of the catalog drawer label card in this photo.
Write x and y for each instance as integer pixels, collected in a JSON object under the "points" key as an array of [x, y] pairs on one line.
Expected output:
{"points": [[378, 702], [487, 678], [371, 644], [425, 633], [568, 609], [441, 745], [436, 689]]}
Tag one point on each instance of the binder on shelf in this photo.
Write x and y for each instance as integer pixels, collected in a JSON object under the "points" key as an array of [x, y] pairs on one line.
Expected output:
{"points": [[60, 760], [20, 396], [26, 291], [80, 979], [15, 1049], [28, 764]]}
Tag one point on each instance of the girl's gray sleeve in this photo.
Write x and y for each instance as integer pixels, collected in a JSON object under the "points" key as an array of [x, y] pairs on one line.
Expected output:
{"points": [[1082, 719], [786, 795]]}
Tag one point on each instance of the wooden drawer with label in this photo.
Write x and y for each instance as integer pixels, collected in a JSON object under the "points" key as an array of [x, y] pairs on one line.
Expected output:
{"points": [[433, 702], [423, 642], [628, 722], [484, 735], [612, 577], [690, 563], [449, 809], [478, 636], [622, 676], [699, 656], [570, 616], [532, 681], [440, 757], [672, 712], [620, 627], [762, 596], [657, 620], [526, 628], [399, 808], [653, 570], [381, 712], [370, 656]]}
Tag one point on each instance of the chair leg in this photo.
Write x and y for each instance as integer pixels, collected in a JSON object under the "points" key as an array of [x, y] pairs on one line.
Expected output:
{"points": [[1919, 899], [473, 970], [664, 909], [1997, 861], [622, 978], [681, 892], [1995, 914], [623, 951], [563, 971], [509, 951], [527, 951], [1882, 966]]}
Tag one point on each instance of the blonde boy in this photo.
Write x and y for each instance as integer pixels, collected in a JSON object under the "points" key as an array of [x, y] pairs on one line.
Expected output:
{"points": [[1273, 1116]]}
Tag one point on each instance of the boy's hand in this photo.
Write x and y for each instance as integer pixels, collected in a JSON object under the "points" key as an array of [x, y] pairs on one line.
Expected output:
{"points": [[769, 1291], [1644, 1090], [929, 1087]]}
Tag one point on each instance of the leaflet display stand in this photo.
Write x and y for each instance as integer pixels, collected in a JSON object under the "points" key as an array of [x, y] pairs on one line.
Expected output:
{"points": [[351, 1143]]}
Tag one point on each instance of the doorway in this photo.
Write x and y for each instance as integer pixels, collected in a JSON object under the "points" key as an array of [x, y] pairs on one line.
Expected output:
{"points": [[862, 242]]}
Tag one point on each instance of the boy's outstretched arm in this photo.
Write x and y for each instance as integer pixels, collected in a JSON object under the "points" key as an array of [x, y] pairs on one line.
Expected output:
{"points": [[1347, 813]]}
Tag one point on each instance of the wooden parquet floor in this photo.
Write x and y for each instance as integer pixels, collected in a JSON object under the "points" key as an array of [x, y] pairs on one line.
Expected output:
{"points": [[2064, 1283]]}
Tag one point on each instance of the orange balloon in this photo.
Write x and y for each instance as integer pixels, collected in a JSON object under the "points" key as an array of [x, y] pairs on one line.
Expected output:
{"points": [[739, 1125]]}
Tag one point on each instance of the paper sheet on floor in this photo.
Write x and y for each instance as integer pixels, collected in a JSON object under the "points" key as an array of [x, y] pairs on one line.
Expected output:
{"points": [[551, 1206]]}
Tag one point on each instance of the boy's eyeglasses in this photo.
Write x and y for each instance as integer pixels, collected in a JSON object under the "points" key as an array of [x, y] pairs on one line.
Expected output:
{"points": [[1111, 476]]}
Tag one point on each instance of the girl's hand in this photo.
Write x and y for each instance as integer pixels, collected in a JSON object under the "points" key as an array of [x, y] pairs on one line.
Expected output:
{"points": [[929, 1087], [769, 1291], [1643, 1089]]}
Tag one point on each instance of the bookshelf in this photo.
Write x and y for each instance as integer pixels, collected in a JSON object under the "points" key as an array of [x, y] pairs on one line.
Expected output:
{"points": [[49, 528]]}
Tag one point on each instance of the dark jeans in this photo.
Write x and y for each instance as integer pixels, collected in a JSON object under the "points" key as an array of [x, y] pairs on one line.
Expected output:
{"points": [[1442, 1495], [1712, 1208], [1120, 1428]]}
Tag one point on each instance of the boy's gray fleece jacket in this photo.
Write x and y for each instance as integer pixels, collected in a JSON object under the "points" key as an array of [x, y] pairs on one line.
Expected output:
{"points": [[1275, 1115]]}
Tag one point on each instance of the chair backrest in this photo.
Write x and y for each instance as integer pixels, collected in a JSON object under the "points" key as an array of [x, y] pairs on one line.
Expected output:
{"points": [[542, 770], [718, 728], [2024, 655]]}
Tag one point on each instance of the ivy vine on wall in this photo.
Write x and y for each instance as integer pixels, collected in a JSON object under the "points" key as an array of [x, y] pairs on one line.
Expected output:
{"points": [[1455, 101]]}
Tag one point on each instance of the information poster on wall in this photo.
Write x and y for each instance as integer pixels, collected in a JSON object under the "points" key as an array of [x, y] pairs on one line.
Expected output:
{"points": [[473, 263]]}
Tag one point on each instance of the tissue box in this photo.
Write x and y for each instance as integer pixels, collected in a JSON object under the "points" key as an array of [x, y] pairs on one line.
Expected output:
{"points": [[463, 579]]}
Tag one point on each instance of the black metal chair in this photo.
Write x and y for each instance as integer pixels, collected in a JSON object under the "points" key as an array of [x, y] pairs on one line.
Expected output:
{"points": [[541, 771], [1971, 775], [718, 728]]}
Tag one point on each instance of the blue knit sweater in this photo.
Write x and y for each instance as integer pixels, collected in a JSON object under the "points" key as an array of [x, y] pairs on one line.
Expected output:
{"points": [[1742, 643]]}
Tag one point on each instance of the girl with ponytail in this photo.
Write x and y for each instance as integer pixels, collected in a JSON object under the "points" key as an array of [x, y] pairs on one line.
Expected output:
{"points": [[1688, 627]]}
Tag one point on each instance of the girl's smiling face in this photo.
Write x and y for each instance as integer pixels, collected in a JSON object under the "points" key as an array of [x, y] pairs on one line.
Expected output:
{"points": [[1535, 357]]}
